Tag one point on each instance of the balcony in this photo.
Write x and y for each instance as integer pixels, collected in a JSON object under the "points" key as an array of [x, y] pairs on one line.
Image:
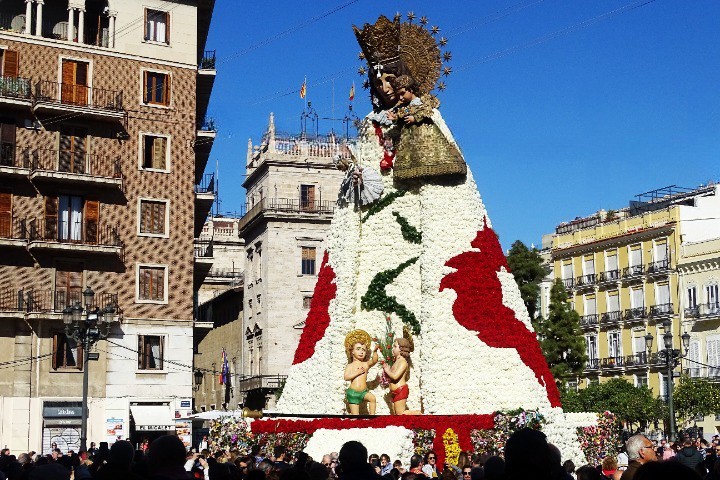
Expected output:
{"points": [[204, 198], [636, 361], [287, 208], [592, 365], [661, 311], [14, 162], [633, 273], [634, 315], [66, 166], [613, 363], [704, 311], [203, 252], [90, 103], [204, 139], [584, 282], [589, 322], [568, 283], [205, 80], [82, 237], [230, 276], [11, 300], [661, 268], [15, 92], [13, 232], [611, 318], [608, 278], [55, 301], [260, 382]]}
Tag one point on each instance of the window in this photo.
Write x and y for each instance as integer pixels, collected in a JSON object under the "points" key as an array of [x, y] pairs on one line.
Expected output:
{"points": [[637, 298], [660, 251], [711, 293], [693, 358], [591, 344], [7, 144], [67, 354], [614, 344], [613, 301], [611, 260], [590, 305], [567, 270], [308, 260], [70, 218], [639, 344], [6, 215], [306, 302], [154, 152], [663, 294], [150, 352], [692, 297], [152, 283], [662, 379], [9, 63], [635, 255], [307, 197], [68, 284], [74, 89], [73, 149], [713, 357], [641, 380], [157, 26], [153, 217], [572, 385], [156, 88], [589, 265]]}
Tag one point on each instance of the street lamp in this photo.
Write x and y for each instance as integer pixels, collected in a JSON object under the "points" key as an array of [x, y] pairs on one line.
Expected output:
{"points": [[86, 332], [671, 357], [198, 379]]}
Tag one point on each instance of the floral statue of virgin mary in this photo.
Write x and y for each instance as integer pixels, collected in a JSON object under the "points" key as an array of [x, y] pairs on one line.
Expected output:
{"points": [[424, 256]]}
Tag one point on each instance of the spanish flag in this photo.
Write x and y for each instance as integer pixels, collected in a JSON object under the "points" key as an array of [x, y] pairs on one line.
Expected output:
{"points": [[303, 89], [352, 92]]}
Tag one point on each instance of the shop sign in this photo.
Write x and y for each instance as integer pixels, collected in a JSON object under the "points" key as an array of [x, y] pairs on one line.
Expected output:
{"points": [[62, 412]]}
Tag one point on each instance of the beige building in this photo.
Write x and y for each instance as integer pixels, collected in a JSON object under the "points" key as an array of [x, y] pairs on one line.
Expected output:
{"points": [[624, 271], [102, 152], [292, 187]]}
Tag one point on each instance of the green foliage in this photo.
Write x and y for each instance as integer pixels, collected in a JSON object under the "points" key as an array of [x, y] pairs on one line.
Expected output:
{"points": [[382, 203], [377, 299], [561, 339], [629, 403], [694, 397], [279, 390], [528, 269], [409, 233]]}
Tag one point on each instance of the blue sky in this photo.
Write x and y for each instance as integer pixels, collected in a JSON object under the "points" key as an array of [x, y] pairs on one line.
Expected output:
{"points": [[552, 125]]}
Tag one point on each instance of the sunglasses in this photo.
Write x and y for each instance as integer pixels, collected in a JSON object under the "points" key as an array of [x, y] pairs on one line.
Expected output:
{"points": [[466, 473], [431, 458]]}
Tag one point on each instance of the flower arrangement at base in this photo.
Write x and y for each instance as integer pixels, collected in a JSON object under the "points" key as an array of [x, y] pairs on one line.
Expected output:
{"points": [[230, 432], [452, 447], [506, 423], [602, 440], [423, 440]]}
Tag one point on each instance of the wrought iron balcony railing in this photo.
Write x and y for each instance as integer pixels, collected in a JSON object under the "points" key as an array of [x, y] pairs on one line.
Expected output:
{"points": [[68, 161], [15, 87], [613, 362], [207, 62], [14, 157], [40, 300], [592, 364], [609, 276], [585, 280], [568, 283], [589, 321], [204, 249], [659, 267], [633, 271], [634, 314], [87, 232], [207, 184], [639, 359], [13, 228], [613, 317], [661, 310], [11, 300], [79, 95]]}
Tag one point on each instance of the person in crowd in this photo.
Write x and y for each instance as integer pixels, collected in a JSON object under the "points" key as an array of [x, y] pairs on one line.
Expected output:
{"points": [[476, 460], [494, 468], [466, 473], [665, 471], [528, 455], [691, 457], [385, 464], [354, 464], [416, 465], [50, 471], [609, 466], [429, 467], [588, 472], [569, 467], [640, 451], [166, 459], [280, 453], [399, 466]]}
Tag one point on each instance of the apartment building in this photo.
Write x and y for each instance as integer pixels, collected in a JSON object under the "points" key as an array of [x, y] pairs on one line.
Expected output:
{"points": [[102, 155], [292, 187], [623, 271]]}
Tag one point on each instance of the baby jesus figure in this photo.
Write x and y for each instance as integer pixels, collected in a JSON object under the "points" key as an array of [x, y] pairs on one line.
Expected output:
{"points": [[398, 375], [357, 345]]}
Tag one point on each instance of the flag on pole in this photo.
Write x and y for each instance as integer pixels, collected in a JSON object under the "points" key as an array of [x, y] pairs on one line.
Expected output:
{"points": [[352, 92], [225, 369], [303, 89]]}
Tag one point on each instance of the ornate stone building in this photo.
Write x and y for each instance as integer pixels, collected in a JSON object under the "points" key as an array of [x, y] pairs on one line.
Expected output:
{"points": [[103, 150], [292, 186]]}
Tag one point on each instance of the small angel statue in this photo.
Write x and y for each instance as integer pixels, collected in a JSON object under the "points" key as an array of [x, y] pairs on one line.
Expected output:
{"points": [[361, 185]]}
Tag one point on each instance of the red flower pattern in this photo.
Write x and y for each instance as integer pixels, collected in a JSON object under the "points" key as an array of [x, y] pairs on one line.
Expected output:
{"points": [[479, 306]]}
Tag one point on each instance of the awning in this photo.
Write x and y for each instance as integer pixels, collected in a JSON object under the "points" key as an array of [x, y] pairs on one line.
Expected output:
{"points": [[152, 417]]}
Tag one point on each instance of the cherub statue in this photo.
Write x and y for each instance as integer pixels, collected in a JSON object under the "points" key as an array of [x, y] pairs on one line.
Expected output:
{"points": [[398, 375], [361, 185], [357, 345]]}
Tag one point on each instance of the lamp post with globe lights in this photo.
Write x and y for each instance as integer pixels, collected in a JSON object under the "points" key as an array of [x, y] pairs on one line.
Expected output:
{"points": [[671, 357], [87, 326]]}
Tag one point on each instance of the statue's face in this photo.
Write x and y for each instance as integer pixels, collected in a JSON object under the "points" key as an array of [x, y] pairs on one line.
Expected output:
{"points": [[359, 351], [395, 349], [385, 89]]}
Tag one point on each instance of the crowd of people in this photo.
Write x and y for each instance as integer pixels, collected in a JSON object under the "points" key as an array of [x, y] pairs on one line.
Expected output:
{"points": [[527, 455]]}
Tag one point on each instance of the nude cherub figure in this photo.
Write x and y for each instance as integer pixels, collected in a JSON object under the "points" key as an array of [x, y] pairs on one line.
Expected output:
{"points": [[357, 344], [398, 375]]}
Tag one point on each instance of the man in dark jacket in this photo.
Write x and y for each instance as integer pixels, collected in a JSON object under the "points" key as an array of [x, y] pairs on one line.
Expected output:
{"points": [[691, 457], [353, 462], [640, 451]]}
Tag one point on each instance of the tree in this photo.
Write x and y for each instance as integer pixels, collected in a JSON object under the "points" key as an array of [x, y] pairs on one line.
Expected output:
{"points": [[629, 403], [528, 269], [561, 339], [695, 397]]}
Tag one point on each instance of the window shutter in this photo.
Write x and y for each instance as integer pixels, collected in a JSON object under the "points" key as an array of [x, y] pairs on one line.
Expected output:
{"points": [[144, 214], [51, 217], [141, 351], [67, 91], [11, 65], [162, 352], [80, 356], [147, 25], [159, 152], [146, 90], [160, 284], [92, 220], [7, 133], [159, 218], [5, 215], [167, 27], [166, 88], [55, 351]]}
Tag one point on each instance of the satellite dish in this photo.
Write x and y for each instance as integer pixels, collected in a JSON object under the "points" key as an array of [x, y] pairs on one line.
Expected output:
{"points": [[18, 23]]}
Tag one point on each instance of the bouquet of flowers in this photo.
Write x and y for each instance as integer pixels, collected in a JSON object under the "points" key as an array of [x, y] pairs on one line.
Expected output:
{"points": [[385, 343], [423, 440]]}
